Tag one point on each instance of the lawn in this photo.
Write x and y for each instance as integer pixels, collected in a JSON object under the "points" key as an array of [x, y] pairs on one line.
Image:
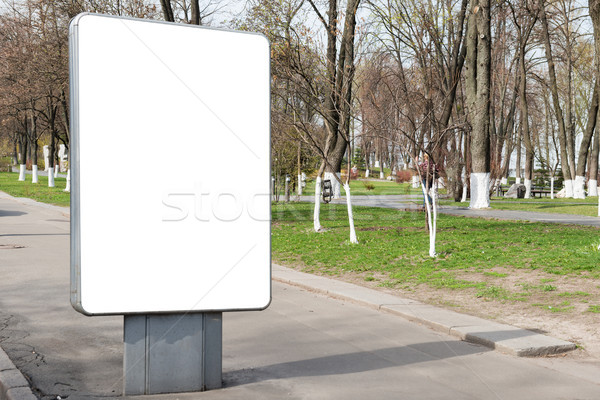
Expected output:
{"points": [[10, 184], [473, 253]]}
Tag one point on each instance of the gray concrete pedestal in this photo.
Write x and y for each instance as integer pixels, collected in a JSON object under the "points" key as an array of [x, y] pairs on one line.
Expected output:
{"points": [[172, 353]]}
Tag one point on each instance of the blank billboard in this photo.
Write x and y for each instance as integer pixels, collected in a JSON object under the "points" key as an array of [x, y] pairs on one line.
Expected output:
{"points": [[170, 160]]}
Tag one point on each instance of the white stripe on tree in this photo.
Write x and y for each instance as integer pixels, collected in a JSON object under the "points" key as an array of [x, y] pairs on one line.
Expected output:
{"points": [[353, 238], [592, 187], [480, 196], [68, 188], [527, 188], [22, 172], [568, 188], [579, 187], [316, 222], [50, 178], [34, 174]]}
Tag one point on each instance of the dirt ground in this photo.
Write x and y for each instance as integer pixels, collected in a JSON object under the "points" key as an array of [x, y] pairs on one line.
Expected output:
{"points": [[554, 305]]}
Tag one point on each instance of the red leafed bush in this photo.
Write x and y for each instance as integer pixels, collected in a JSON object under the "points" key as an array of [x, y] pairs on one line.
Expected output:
{"points": [[404, 175]]}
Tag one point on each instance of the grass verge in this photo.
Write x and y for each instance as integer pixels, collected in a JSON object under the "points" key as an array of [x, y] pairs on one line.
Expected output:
{"points": [[475, 255], [10, 184]]}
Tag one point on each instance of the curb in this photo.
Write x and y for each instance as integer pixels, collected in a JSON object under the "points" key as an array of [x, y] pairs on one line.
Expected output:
{"points": [[504, 338], [13, 385], [30, 202]]}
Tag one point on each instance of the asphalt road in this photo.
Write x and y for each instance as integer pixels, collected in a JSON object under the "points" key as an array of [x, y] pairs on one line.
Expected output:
{"points": [[402, 202], [304, 346]]}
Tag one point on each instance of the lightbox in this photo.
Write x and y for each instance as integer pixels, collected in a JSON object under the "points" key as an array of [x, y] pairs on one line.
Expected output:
{"points": [[170, 164]]}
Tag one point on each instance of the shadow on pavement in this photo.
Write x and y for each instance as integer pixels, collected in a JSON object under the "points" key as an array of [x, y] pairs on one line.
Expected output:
{"points": [[5, 213], [357, 362]]}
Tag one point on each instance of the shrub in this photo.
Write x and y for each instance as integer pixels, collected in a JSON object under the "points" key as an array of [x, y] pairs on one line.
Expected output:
{"points": [[404, 175], [368, 185]]}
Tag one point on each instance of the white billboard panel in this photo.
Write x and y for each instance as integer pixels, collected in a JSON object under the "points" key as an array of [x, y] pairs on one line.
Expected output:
{"points": [[170, 160]]}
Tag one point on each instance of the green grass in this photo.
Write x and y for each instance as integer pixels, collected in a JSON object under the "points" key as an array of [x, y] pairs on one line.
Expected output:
{"points": [[38, 191], [594, 309], [396, 241], [395, 245]]}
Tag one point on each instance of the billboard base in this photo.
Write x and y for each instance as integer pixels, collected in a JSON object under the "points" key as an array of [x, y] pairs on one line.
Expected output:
{"points": [[172, 353]]}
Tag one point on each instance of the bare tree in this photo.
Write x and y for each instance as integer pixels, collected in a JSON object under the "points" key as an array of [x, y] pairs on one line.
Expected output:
{"points": [[478, 80]]}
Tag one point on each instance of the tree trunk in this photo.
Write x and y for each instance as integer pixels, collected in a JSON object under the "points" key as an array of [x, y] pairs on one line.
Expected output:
{"points": [[593, 180], [167, 10], [594, 11], [195, 6], [478, 84], [529, 154], [578, 187], [316, 221], [518, 162], [51, 158], [299, 169], [562, 135], [353, 238], [23, 153], [15, 153]]}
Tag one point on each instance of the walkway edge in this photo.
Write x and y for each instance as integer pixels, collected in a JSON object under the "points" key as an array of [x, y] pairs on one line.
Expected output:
{"points": [[13, 385], [504, 338], [30, 202]]}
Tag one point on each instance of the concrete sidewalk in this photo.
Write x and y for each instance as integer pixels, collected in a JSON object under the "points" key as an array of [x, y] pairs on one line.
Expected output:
{"points": [[505, 338], [319, 339]]}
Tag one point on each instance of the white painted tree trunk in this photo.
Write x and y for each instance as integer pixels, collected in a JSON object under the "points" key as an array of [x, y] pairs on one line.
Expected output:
{"points": [[592, 187], [504, 181], [381, 175], [299, 183], [56, 170], [316, 222], [415, 181], [335, 183], [465, 189], [22, 172], [568, 188], [480, 195], [68, 188], [579, 187], [431, 220], [34, 174], [552, 188], [50, 178], [518, 181], [433, 231], [527, 188], [353, 238], [367, 173]]}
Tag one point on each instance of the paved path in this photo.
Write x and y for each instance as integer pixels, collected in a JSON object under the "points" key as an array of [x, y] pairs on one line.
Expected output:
{"points": [[402, 202], [306, 345]]}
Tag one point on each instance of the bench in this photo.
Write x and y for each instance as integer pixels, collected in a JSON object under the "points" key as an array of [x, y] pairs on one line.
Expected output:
{"points": [[500, 190], [542, 191]]}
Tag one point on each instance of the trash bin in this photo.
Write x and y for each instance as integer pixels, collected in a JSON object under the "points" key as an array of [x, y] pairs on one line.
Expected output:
{"points": [[327, 191], [521, 192]]}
